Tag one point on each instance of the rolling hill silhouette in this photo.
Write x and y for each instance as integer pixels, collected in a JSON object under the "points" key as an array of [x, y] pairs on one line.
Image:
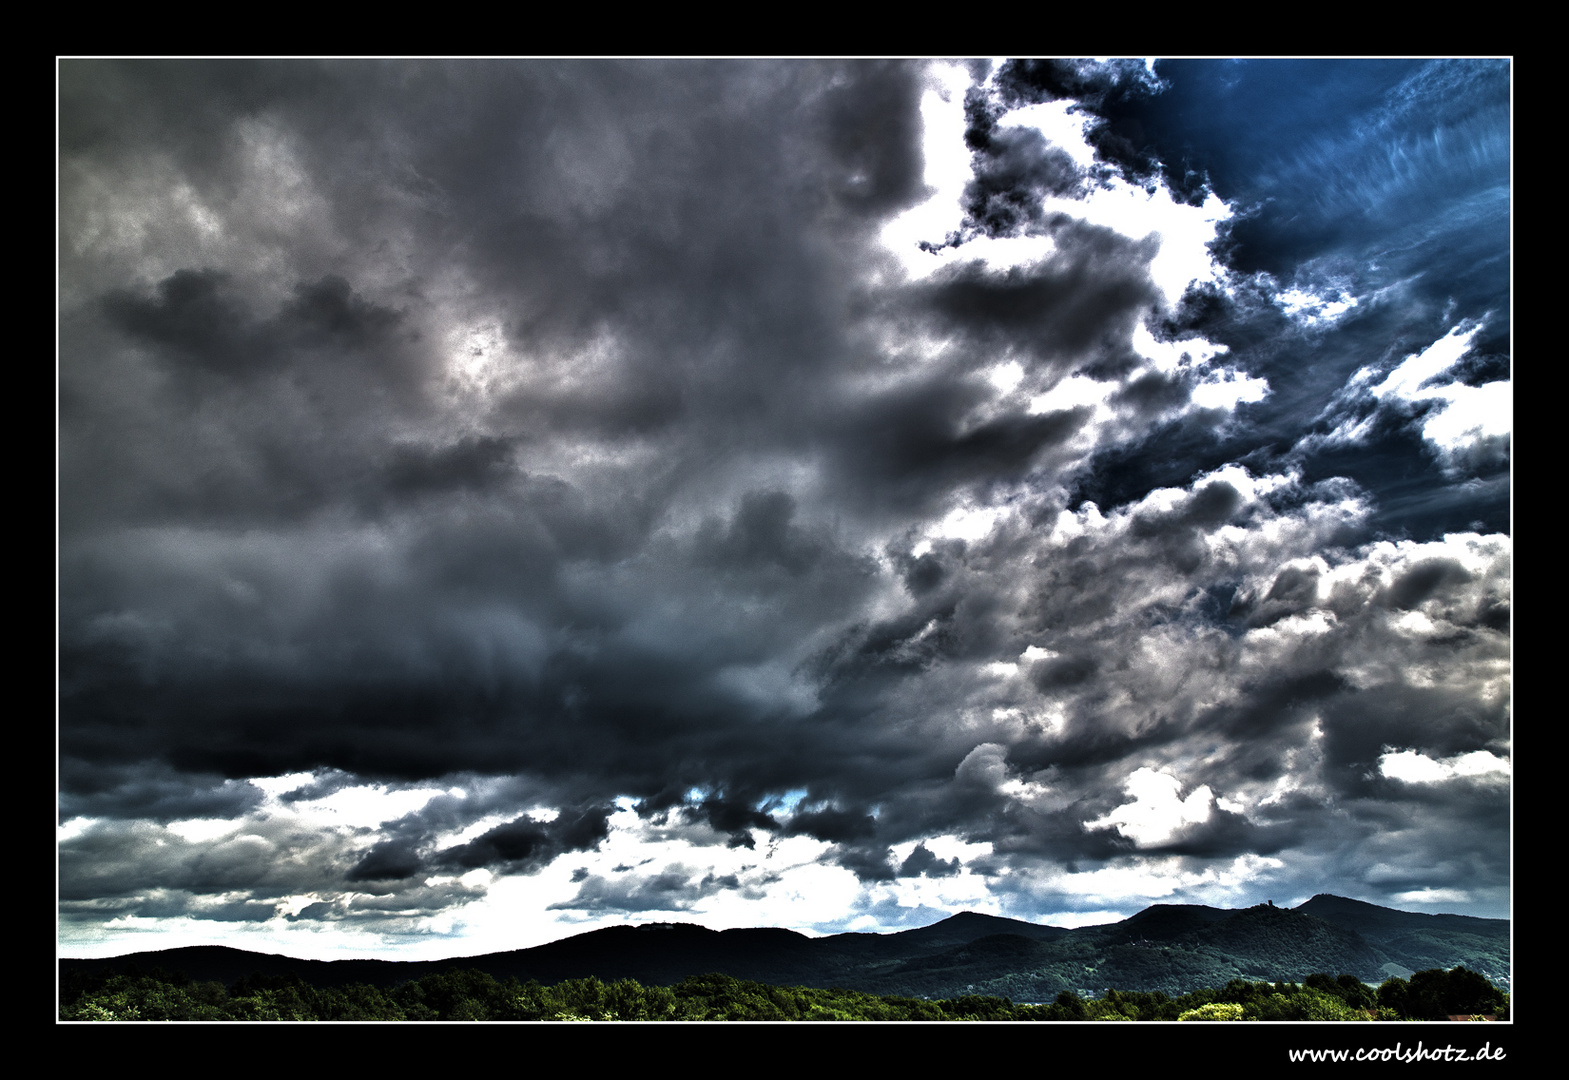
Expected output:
{"points": [[1168, 947]]}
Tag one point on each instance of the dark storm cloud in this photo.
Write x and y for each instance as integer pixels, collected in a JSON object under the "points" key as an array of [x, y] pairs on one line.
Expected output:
{"points": [[414, 845], [158, 794], [1095, 285], [922, 861], [870, 863], [189, 316], [735, 819], [913, 449], [1319, 682], [833, 825], [676, 888], [389, 860], [762, 535], [560, 433], [195, 321], [1007, 173], [524, 843], [393, 914], [1018, 170], [129, 858]]}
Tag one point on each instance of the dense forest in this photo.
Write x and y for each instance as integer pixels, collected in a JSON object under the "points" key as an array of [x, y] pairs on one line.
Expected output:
{"points": [[474, 995]]}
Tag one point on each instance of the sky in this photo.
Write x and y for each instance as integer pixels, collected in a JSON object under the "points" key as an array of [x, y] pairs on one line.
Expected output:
{"points": [[500, 499]]}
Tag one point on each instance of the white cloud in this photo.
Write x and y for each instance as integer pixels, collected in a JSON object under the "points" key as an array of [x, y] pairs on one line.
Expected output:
{"points": [[199, 830], [1412, 767], [1463, 418], [1072, 393], [968, 522], [1063, 124], [362, 806], [1185, 232], [1136, 883], [1433, 896], [1228, 389], [947, 171], [1157, 812], [1006, 376], [1472, 413], [1406, 380], [1314, 309], [1169, 356]]}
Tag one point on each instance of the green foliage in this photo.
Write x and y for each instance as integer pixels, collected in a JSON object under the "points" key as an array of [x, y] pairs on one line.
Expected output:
{"points": [[1434, 994], [1215, 1010], [149, 997], [474, 995]]}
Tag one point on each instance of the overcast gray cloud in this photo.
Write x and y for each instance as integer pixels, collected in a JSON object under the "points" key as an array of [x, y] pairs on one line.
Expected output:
{"points": [[805, 493]]}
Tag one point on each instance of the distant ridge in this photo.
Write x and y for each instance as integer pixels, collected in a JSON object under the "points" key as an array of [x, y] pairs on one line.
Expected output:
{"points": [[1360, 915], [967, 926], [1164, 921], [1416, 941], [1175, 948]]}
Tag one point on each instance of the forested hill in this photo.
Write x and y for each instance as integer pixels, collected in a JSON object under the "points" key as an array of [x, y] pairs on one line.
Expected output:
{"points": [[1171, 948]]}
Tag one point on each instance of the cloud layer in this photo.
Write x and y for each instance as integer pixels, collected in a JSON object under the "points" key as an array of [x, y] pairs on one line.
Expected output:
{"points": [[814, 493]]}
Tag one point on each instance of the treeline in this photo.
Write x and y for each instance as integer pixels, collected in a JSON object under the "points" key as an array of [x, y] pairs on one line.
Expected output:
{"points": [[474, 995]]}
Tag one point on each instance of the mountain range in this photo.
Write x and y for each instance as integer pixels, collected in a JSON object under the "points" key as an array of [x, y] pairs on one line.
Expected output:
{"points": [[1167, 947]]}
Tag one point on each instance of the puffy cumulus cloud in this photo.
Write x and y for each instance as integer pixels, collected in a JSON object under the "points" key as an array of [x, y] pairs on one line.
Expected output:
{"points": [[986, 768], [826, 490], [1158, 812], [1194, 627]]}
